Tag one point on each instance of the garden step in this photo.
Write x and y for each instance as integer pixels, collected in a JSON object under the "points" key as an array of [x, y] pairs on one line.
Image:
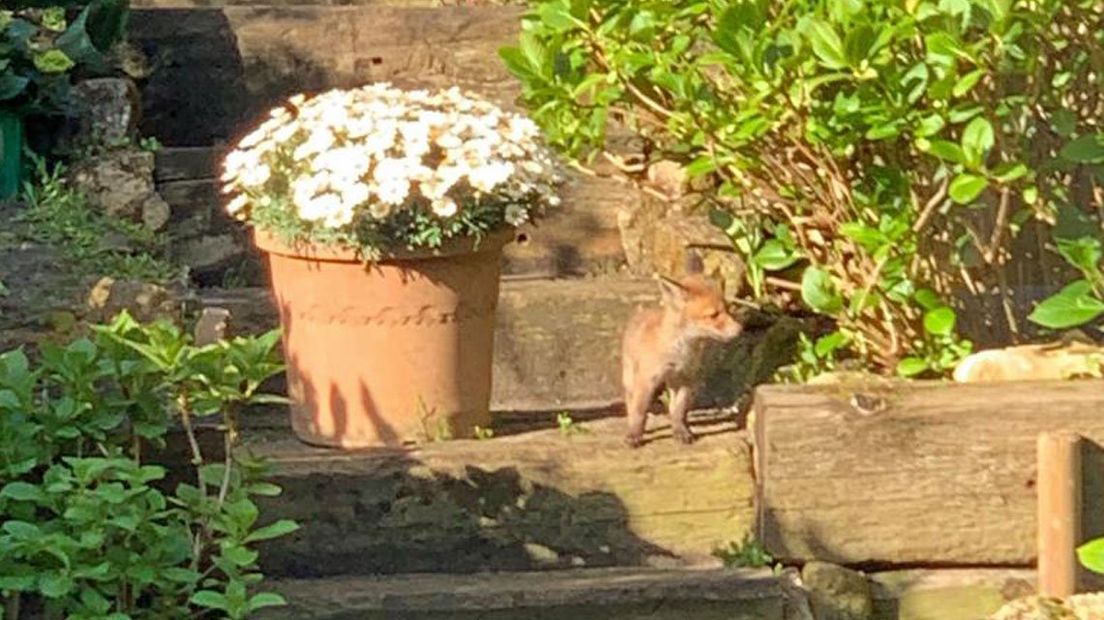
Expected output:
{"points": [[557, 345], [618, 594], [542, 500], [580, 237]]}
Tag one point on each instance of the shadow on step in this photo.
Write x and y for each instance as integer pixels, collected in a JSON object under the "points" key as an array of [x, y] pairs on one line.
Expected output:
{"points": [[397, 515]]}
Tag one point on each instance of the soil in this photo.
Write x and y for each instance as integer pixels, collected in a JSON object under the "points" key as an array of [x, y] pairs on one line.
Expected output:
{"points": [[44, 292]]}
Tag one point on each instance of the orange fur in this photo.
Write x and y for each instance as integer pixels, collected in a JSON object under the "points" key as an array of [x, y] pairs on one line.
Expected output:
{"points": [[663, 347]]}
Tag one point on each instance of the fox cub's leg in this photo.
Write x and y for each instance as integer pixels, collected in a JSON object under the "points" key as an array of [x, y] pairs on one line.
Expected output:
{"points": [[681, 401], [638, 397]]}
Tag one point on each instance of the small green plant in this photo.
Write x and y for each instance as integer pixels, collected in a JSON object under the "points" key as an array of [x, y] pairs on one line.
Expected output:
{"points": [[483, 434], [567, 425], [813, 357], [748, 553], [89, 526], [61, 217], [434, 427], [1081, 301]]}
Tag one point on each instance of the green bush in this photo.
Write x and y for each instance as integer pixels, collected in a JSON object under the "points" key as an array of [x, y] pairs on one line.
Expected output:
{"points": [[89, 527], [891, 152], [40, 46]]}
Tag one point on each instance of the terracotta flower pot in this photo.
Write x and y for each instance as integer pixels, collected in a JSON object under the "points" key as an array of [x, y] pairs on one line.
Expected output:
{"points": [[388, 353]]}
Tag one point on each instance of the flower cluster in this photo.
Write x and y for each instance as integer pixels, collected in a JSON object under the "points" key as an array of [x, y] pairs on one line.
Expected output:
{"points": [[391, 162]]}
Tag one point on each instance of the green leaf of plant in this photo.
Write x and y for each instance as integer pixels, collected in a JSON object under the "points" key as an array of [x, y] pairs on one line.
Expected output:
{"points": [[967, 82], [209, 599], [1091, 555], [977, 139], [930, 125], [1084, 253], [282, 527], [21, 530], [13, 583], [827, 44], [1072, 306], [939, 321], [241, 556], [1087, 149], [557, 16], [819, 292], [966, 187], [12, 85], [22, 492], [53, 61], [266, 599], [55, 585], [928, 299], [1006, 173], [827, 345], [911, 366], [947, 151], [774, 256]]}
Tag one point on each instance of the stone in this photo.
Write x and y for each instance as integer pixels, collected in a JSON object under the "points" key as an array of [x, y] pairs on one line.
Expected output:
{"points": [[541, 555], [208, 253], [657, 236], [947, 594], [155, 212], [837, 593], [211, 326], [120, 183], [108, 111], [796, 597], [1034, 362], [1077, 607], [143, 300]]}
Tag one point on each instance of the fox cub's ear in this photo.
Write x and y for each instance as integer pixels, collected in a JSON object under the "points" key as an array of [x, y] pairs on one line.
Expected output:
{"points": [[674, 294], [694, 264]]}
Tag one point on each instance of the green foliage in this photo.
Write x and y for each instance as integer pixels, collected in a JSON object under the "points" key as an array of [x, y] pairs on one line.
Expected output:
{"points": [[483, 434], [814, 357], [40, 47], [748, 553], [61, 217], [88, 527], [567, 425], [883, 156]]}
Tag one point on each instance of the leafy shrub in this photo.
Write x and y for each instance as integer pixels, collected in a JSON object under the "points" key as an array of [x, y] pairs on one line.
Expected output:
{"points": [[88, 525], [891, 152], [39, 47]]}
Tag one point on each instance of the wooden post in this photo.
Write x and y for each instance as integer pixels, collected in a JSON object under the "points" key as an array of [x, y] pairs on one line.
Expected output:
{"points": [[1059, 513]]}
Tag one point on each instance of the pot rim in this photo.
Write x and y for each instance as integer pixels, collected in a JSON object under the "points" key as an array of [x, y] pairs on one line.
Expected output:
{"points": [[492, 241]]}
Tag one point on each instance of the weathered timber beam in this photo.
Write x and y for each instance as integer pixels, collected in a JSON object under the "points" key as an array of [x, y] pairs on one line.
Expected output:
{"points": [[894, 473]]}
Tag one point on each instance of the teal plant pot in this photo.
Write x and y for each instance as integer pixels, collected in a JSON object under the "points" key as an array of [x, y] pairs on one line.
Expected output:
{"points": [[11, 154]]}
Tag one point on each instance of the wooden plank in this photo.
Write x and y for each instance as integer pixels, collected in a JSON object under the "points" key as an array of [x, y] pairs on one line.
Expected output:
{"points": [[540, 500], [187, 164], [609, 594], [892, 473], [1059, 518]]}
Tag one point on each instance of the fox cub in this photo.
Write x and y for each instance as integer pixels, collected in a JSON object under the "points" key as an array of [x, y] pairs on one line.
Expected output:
{"points": [[663, 347]]}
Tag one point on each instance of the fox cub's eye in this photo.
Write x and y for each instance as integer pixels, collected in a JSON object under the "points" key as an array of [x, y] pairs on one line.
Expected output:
{"points": [[714, 314]]}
